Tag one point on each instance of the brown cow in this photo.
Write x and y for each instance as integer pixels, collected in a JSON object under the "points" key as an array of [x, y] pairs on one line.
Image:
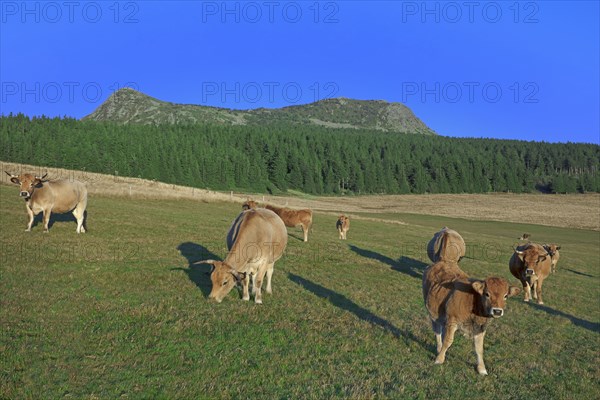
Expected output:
{"points": [[59, 196], [552, 250], [526, 237], [257, 238], [291, 218], [454, 301], [343, 226], [249, 204], [446, 245], [531, 265]]}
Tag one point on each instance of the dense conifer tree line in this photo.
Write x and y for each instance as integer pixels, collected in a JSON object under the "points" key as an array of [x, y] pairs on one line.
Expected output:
{"points": [[311, 159]]}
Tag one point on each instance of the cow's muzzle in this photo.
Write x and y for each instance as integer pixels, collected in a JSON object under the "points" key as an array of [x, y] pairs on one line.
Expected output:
{"points": [[529, 272], [24, 194], [213, 297], [497, 312]]}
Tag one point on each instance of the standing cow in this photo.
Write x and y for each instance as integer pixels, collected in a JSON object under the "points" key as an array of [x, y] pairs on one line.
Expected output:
{"points": [[552, 250], [257, 238], [446, 245], [343, 226], [249, 204], [58, 196], [454, 301], [291, 218], [531, 265]]}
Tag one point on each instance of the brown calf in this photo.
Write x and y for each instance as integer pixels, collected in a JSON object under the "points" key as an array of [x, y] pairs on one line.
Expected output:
{"points": [[526, 237], [456, 302], [552, 250], [290, 218], [531, 265], [343, 226], [250, 204]]}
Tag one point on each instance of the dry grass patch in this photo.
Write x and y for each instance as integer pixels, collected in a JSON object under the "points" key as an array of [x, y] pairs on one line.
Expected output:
{"points": [[581, 211]]}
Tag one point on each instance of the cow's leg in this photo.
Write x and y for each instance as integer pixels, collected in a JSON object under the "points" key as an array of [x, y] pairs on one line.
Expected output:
{"points": [[253, 284], [259, 279], [437, 330], [446, 343], [527, 290], [31, 217], [478, 342], [46, 219], [269, 275], [305, 231], [538, 288], [79, 213], [535, 290], [245, 284]]}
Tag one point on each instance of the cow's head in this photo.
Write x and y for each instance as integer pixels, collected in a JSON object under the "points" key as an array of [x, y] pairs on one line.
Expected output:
{"points": [[525, 236], [532, 257], [493, 293], [27, 182], [551, 249], [249, 204], [223, 278]]}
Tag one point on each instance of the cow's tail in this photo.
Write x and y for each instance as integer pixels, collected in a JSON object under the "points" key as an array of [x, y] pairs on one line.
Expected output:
{"points": [[443, 245]]}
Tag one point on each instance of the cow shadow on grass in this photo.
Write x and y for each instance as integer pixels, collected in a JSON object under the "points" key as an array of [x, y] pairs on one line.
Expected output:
{"points": [[406, 265], [197, 273], [589, 325], [298, 237], [56, 217], [345, 303], [577, 272]]}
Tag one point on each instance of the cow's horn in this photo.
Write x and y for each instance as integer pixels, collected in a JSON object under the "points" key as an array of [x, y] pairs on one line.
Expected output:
{"points": [[9, 174], [518, 252], [205, 262]]}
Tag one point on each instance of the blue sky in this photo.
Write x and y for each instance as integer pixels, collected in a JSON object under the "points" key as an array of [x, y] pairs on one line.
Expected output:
{"points": [[527, 70]]}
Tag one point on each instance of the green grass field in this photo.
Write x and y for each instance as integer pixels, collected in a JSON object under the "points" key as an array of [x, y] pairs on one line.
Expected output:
{"points": [[119, 313]]}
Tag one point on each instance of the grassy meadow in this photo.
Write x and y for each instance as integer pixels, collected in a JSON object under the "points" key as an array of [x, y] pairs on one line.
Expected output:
{"points": [[120, 312]]}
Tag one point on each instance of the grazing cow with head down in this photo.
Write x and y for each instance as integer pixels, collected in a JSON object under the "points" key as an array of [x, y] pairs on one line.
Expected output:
{"points": [[446, 245], [552, 250], [257, 238], [531, 265], [454, 301], [343, 226], [58, 196]]}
